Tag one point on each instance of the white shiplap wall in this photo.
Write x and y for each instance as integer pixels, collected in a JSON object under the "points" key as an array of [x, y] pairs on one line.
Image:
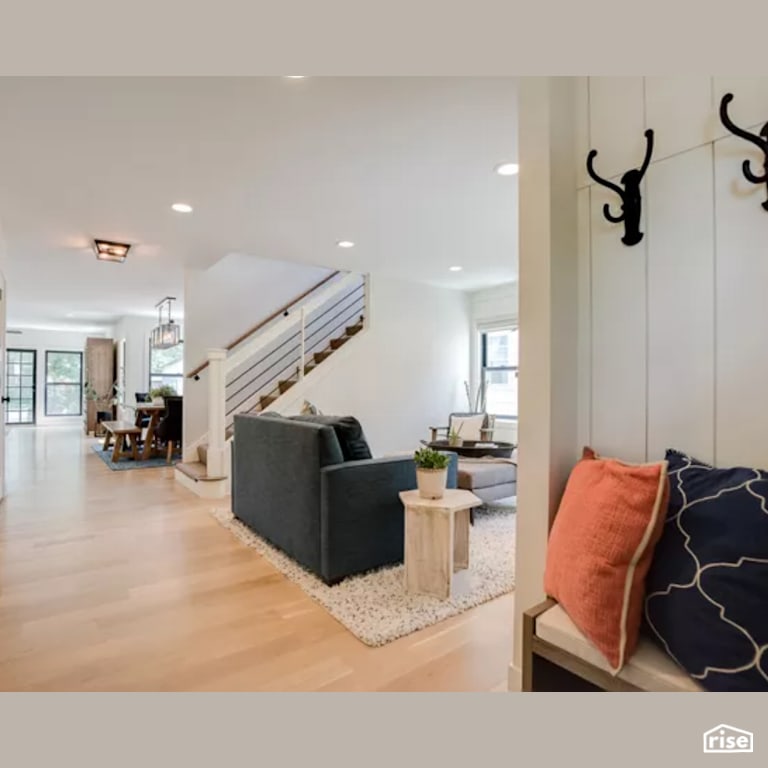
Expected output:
{"points": [[673, 332]]}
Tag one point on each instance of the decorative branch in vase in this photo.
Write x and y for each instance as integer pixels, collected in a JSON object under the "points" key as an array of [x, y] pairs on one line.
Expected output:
{"points": [[477, 402]]}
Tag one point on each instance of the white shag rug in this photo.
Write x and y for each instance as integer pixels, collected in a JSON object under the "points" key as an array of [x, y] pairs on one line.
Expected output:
{"points": [[375, 607]]}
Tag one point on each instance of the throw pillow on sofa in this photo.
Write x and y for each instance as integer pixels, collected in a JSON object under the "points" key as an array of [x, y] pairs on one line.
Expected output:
{"points": [[600, 548], [707, 588], [349, 433]]}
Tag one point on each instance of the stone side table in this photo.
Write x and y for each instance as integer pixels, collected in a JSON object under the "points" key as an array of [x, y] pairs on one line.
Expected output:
{"points": [[437, 541]]}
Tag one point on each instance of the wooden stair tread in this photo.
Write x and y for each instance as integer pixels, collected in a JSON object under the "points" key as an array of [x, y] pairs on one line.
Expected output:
{"points": [[202, 449], [197, 471]]}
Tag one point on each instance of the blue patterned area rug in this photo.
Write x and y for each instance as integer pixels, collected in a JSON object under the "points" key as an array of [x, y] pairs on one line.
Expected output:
{"points": [[128, 463]]}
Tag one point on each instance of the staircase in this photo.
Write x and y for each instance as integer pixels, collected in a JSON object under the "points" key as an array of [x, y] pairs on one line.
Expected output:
{"points": [[256, 372]]}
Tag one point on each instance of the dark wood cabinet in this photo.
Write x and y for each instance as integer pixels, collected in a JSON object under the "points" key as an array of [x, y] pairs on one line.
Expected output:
{"points": [[99, 375]]}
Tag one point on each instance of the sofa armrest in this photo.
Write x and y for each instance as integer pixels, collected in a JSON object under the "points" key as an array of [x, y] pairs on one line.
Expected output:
{"points": [[362, 519]]}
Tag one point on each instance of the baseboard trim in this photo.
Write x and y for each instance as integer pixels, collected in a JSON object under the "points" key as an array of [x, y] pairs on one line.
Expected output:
{"points": [[514, 679]]}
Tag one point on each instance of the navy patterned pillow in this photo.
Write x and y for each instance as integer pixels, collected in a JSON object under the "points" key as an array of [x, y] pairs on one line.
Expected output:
{"points": [[707, 589]]}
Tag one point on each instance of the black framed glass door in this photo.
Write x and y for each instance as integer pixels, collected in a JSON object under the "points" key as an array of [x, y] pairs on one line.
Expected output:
{"points": [[20, 390]]}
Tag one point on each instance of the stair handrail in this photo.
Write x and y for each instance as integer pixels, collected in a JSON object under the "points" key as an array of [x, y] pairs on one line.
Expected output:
{"points": [[242, 355], [256, 328]]}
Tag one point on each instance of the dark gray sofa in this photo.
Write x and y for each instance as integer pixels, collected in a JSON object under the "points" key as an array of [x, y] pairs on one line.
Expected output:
{"points": [[292, 486]]}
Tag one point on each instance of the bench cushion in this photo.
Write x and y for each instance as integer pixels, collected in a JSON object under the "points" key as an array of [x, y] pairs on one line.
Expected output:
{"points": [[648, 668]]}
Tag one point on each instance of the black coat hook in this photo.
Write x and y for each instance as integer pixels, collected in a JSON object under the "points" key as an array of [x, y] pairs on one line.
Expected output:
{"points": [[630, 195], [762, 143]]}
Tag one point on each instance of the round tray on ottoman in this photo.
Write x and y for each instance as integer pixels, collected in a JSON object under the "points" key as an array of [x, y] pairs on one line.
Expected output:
{"points": [[476, 449]]}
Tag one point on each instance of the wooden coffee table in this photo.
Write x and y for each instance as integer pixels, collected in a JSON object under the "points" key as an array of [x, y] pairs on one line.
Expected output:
{"points": [[471, 449], [437, 541]]}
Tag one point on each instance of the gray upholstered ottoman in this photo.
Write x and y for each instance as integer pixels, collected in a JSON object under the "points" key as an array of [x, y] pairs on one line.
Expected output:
{"points": [[489, 480]]}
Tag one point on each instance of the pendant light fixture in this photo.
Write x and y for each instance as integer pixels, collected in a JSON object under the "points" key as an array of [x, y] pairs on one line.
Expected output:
{"points": [[167, 334]]}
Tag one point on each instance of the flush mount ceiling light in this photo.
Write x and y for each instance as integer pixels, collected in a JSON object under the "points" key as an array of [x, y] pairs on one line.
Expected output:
{"points": [[345, 244], [507, 169], [107, 250], [455, 269], [295, 77], [182, 208], [167, 334]]}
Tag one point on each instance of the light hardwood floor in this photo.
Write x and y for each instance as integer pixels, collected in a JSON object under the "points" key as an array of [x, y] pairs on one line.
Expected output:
{"points": [[123, 581]]}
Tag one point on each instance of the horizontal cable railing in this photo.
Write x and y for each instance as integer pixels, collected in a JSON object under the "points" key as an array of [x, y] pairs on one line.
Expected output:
{"points": [[285, 309]]}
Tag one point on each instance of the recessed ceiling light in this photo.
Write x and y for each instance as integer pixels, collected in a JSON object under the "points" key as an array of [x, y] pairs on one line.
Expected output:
{"points": [[182, 208], [455, 269], [507, 169], [106, 250], [295, 77], [345, 244]]}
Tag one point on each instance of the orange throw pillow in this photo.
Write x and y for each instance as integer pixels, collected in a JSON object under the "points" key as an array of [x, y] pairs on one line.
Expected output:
{"points": [[600, 547]]}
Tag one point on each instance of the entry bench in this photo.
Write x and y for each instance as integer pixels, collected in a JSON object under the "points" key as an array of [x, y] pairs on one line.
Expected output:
{"points": [[557, 657], [119, 431]]}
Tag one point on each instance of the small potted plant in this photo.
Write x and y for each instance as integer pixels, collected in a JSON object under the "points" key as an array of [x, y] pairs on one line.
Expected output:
{"points": [[431, 472], [454, 437], [159, 394]]}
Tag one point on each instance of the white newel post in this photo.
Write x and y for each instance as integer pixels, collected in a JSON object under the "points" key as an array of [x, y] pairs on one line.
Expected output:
{"points": [[216, 411], [303, 351]]}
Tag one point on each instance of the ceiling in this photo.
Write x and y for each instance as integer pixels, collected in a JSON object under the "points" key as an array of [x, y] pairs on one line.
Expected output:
{"points": [[274, 167]]}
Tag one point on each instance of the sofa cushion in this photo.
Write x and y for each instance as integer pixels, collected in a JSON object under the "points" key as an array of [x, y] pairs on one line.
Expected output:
{"points": [[707, 588], [600, 548], [476, 475], [349, 432]]}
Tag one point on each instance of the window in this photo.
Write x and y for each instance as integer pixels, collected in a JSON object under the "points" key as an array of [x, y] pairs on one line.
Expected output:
{"points": [[20, 376], [63, 383], [166, 368], [499, 371]]}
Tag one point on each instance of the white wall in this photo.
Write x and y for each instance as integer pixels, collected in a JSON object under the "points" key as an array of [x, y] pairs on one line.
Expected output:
{"points": [[497, 303], [674, 330], [548, 326], [403, 375], [490, 305], [223, 302], [3, 249], [54, 341], [136, 331]]}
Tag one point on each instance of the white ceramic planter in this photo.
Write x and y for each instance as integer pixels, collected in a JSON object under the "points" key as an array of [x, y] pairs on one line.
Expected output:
{"points": [[431, 482]]}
